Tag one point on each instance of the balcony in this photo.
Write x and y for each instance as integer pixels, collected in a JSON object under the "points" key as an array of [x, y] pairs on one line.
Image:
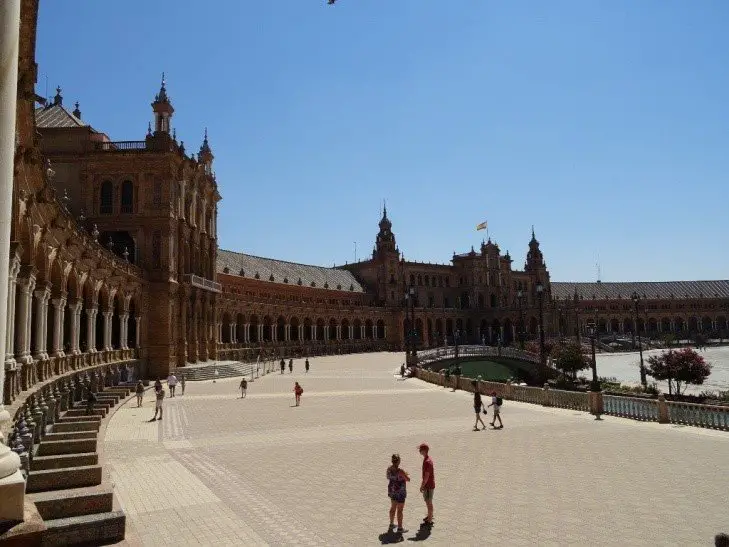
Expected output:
{"points": [[120, 146], [202, 283]]}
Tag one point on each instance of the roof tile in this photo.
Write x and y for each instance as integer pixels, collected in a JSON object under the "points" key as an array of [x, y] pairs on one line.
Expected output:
{"points": [[280, 271], [603, 290]]}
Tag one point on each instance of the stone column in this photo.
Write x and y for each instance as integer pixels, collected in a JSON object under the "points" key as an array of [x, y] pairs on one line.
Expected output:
{"points": [[301, 333], [26, 284], [74, 308], [351, 332], [91, 329], [59, 305], [41, 322], [108, 315], [247, 333], [313, 331], [12, 484], [339, 332], [260, 333], [123, 331], [10, 323], [362, 332], [231, 331], [326, 333], [287, 332], [138, 331]]}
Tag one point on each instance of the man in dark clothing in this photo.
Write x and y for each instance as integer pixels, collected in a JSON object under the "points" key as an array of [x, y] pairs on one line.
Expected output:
{"points": [[283, 366], [306, 365]]}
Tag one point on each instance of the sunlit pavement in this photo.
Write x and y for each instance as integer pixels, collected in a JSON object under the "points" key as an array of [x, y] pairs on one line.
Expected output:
{"points": [[220, 470]]}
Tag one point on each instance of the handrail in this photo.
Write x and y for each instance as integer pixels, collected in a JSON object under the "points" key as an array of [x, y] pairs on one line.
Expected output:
{"points": [[115, 146]]}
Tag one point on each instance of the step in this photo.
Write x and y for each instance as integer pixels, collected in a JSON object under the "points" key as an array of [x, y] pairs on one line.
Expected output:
{"points": [[60, 479], [74, 502], [69, 436], [103, 405], [40, 463], [113, 399], [98, 529], [68, 427], [78, 446], [75, 419], [81, 411]]}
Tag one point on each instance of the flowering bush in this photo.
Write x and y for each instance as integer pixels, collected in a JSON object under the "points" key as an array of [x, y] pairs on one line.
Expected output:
{"points": [[679, 367]]}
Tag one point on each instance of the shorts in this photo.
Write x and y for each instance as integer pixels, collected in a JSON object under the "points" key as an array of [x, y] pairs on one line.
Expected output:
{"points": [[477, 409], [497, 410], [428, 494], [398, 498], [158, 405]]}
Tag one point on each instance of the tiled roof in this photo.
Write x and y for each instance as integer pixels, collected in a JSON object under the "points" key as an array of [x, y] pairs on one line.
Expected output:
{"points": [[280, 271], [646, 289], [54, 115]]}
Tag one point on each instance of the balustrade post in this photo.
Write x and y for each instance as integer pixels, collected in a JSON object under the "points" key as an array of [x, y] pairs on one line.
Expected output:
{"points": [[663, 410], [546, 396]]}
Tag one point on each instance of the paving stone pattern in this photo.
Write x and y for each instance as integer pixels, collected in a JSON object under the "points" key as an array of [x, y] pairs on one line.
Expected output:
{"points": [[220, 470]]}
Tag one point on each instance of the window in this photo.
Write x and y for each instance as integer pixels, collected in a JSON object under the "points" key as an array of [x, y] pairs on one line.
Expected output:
{"points": [[107, 198], [157, 194], [157, 249], [127, 197]]}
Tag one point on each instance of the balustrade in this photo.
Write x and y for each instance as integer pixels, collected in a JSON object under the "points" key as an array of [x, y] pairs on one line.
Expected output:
{"points": [[709, 416]]}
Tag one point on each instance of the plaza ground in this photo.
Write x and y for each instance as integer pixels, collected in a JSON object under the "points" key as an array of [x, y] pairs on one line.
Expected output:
{"points": [[219, 470], [625, 367]]}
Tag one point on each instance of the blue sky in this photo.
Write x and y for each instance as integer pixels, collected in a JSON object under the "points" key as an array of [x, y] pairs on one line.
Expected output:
{"points": [[605, 124]]}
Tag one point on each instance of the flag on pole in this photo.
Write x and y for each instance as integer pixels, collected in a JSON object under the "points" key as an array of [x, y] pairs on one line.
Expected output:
{"points": [[482, 226]]}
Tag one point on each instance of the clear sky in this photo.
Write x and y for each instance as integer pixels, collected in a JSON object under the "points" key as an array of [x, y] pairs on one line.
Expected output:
{"points": [[605, 123]]}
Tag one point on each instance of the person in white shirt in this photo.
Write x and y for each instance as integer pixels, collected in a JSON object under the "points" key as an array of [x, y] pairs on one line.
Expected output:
{"points": [[172, 383], [496, 403]]}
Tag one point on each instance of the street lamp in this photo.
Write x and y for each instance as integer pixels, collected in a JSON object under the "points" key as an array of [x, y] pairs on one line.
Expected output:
{"points": [[542, 356], [519, 296], [577, 324], [410, 340], [595, 386], [643, 379]]}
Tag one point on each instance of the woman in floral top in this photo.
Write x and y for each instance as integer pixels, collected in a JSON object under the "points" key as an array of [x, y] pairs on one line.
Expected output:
{"points": [[396, 491]]}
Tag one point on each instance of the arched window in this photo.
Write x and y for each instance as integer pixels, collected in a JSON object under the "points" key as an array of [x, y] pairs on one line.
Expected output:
{"points": [[127, 197], [106, 205]]}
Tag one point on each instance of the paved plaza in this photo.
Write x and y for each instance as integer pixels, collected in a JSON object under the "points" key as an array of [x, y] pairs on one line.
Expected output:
{"points": [[218, 470]]}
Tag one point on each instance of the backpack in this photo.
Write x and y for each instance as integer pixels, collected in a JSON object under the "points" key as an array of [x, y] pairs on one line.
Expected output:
{"points": [[499, 401]]}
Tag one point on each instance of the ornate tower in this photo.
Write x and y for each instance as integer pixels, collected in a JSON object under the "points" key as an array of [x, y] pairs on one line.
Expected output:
{"points": [[206, 155], [535, 260], [385, 242], [163, 110]]}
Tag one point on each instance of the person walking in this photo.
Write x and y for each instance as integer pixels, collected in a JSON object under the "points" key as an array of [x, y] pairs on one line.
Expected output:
{"points": [[402, 370], [172, 383], [428, 484], [496, 402], [298, 390], [283, 366], [182, 383], [306, 365], [477, 406], [140, 393], [397, 492], [243, 388], [160, 395], [291, 366], [157, 385]]}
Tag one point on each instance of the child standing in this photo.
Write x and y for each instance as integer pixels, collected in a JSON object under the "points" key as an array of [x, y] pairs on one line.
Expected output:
{"points": [[298, 390], [243, 388], [397, 492], [140, 393]]}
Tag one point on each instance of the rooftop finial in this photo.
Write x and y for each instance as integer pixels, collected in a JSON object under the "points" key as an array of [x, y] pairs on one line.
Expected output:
{"points": [[58, 99], [76, 111], [162, 95], [533, 232], [149, 128]]}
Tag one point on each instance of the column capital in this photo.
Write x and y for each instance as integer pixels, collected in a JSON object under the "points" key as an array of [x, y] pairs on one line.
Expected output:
{"points": [[59, 302], [91, 311]]}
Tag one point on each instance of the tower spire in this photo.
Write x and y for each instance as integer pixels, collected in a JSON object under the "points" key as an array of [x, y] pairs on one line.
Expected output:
{"points": [[162, 109]]}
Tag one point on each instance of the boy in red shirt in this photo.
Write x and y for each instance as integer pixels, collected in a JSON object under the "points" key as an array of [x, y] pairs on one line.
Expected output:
{"points": [[428, 484]]}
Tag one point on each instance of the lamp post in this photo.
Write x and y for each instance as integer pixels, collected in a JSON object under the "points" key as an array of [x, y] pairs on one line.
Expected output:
{"points": [[643, 379], [411, 341], [577, 324], [542, 356], [595, 386], [520, 295]]}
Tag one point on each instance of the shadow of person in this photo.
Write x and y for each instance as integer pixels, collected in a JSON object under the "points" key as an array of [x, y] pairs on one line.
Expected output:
{"points": [[390, 536], [422, 534]]}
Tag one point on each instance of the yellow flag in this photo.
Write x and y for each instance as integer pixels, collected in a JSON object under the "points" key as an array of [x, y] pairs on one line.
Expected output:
{"points": [[482, 226]]}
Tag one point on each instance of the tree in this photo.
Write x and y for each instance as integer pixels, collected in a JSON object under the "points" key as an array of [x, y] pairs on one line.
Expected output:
{"points": [[568, 358], [533, 347], [679, 368]]}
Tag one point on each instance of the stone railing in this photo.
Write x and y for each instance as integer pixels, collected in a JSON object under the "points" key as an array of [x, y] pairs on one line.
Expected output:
{"points": [[449, 352], [236, 351], [202, 283], [33, 410], [635, 408], [709, 416]]}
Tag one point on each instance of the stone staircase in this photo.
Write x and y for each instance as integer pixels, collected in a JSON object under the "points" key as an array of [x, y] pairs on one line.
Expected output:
{"points": [[64, 478], [226, 369]]}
